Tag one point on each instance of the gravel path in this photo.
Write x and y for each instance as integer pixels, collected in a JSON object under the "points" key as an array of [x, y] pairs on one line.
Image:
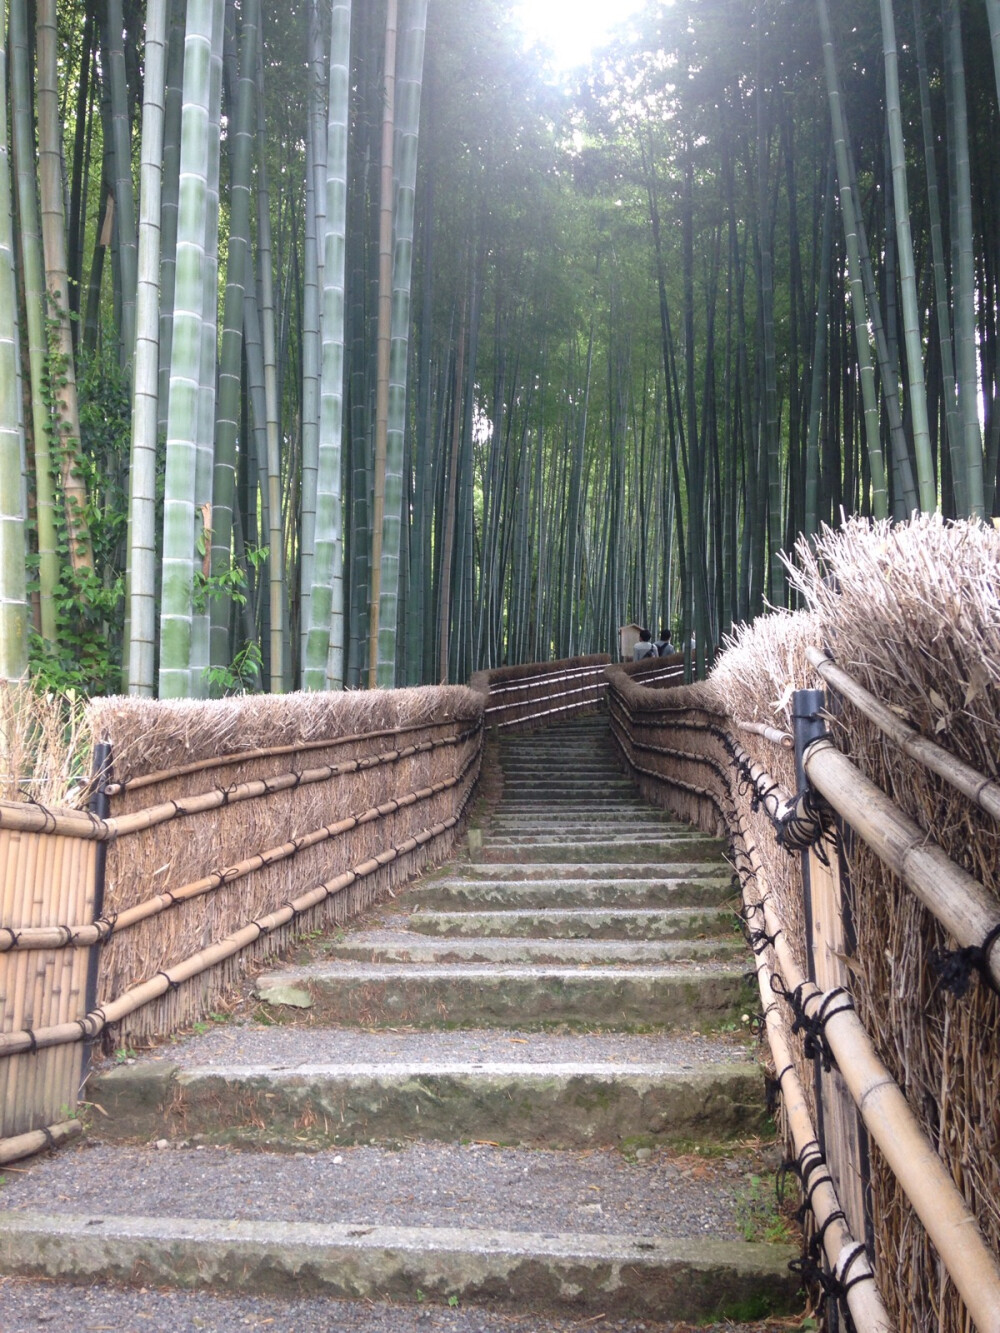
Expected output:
{"points": [[27, 1307], [257, 1044], [595, 1191]]}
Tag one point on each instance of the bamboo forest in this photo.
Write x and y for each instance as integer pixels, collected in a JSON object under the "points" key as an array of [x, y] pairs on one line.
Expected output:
{"points": [[357, 345]]}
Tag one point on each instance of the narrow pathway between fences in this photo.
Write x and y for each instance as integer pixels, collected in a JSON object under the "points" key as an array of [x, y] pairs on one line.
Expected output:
{"points": [[517, 1096]]}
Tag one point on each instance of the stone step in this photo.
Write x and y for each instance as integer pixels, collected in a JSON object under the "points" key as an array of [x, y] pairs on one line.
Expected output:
{"points": [[405, 946], [592, 1231], [584, 839], [509, 893], [694, 848], [608, 923], [559, 1105], [651, 1277], [634, 872], [702, 995]]}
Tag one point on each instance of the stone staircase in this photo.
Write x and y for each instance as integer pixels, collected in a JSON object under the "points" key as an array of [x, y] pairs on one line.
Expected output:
{"points": [[519, 1088]]}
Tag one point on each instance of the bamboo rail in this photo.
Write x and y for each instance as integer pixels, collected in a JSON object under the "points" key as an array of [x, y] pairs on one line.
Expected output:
{"points": [[36, 1140], [782, 738], [962, 776], [98, 932], [966, 910], [91, 1026], [269, 752], [88, 827], [922, 1175], [844, 1253], [892, 1124]]}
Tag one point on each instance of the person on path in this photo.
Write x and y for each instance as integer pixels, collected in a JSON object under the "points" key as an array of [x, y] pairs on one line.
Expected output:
{"points": [[644, 648], [663, 645]]}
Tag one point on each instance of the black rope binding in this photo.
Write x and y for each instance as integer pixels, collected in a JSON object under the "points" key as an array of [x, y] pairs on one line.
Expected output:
{"points": [[955, 967], [813, 1026], [803, 825]]}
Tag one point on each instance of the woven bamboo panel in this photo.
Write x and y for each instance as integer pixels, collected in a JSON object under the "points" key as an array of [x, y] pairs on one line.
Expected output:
{"points": [[48, 881]]}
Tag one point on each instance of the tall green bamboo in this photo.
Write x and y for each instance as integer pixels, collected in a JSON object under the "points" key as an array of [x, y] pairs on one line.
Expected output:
{"points": [[384, 338], [13, 506], [323, 664], [312, 344], [241, 143], [113, 25], [33, 271], [965, 277], [278, 611], [409, 80], [182, 526], [65, 414], [140, 584], [907, 275], [880, 506]]}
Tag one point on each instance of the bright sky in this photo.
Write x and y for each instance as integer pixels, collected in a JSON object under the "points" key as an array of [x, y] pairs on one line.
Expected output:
{"points": [[572, 29]]}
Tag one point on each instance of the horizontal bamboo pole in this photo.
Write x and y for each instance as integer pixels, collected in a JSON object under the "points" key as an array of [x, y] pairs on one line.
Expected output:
{"points": [[37, 819], [548, 712], [962, 905], [37, 1140], [270, 752], [12, 1043], [555, 677], [782, 738], [962, 776], [545, 698], [922, 1175], [839, 1244], [98, 932], [893, 1126]]}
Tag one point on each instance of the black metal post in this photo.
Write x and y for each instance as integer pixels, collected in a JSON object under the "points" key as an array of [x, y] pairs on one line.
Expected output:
{"points": [[100, 805]]}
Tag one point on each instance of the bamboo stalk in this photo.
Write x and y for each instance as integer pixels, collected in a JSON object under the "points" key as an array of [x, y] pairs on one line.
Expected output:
{"points": [[37, 819], [772, 734], [960, 903], [962, 776], [839, 1244], [276, 751], [37, 1140]]}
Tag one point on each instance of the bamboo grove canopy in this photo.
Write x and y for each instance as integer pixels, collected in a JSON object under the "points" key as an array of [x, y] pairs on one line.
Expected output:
{"points": [[353, 344]]}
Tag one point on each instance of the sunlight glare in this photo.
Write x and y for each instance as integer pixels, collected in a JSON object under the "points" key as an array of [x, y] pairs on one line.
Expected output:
{"points": [[571, 29]]}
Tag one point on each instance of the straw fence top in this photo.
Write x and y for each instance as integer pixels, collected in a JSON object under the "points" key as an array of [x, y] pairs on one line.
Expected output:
{"points": [[148, 736]]}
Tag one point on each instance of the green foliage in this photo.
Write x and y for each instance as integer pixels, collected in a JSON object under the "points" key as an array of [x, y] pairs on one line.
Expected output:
{"points": [[86, 657], [757, 1214]]}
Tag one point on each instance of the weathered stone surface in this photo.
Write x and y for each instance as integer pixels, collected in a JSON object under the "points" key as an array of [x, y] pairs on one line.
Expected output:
{"points": [[568, 1105], [596, 923], [477, 995], [652, 1277]]}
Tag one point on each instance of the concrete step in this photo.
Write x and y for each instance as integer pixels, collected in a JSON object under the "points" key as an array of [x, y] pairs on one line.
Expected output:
{"points": [[530, 893], [697, 995], [662, 851], [568, 1104], [608, 923], [653, 1276], [592, 1231], [635, 872], [406, 946]]}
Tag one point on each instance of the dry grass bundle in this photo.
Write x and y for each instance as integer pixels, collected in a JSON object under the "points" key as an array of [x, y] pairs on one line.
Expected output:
{"points": [[437, 744], [148, 736], [504, 675], [46, 743], [912, 613]]}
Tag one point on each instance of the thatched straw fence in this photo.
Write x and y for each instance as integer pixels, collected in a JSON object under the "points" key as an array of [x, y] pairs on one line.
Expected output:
{"points": [[873, 905], [210, 836]]}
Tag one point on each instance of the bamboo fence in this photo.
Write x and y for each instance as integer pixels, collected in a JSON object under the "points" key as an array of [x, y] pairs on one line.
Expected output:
{"points": [[881, 937], [213, 835]]}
